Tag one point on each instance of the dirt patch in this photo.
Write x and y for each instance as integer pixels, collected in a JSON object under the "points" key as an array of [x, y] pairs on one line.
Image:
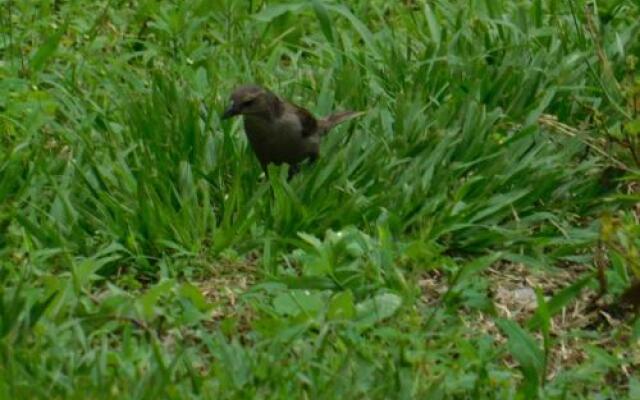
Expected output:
{"points": [[583, 323]]}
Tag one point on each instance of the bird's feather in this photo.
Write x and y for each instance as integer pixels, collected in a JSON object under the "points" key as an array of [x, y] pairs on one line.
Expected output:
{"points": [[307, 120], [328, 122]]}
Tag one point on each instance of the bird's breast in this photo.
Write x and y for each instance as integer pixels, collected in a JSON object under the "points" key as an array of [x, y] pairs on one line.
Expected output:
{"points": [[280, 140]]}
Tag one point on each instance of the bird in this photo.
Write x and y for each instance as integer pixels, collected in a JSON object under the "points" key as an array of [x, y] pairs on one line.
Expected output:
{"points": [[279, 131]]}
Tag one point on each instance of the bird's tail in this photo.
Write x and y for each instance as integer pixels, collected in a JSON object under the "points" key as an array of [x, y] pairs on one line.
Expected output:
{"points": [[334, 119]]}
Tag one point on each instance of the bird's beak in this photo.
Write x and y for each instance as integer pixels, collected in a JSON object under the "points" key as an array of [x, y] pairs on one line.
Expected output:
{"points": [[231, 111]]}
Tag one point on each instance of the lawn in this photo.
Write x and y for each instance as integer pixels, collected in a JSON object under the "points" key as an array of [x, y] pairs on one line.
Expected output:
{"points": [[475, 234]]}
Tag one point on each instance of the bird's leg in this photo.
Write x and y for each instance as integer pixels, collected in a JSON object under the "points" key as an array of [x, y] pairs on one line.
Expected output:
{"points": [[293, 169], [313, 157], [265, 169]]}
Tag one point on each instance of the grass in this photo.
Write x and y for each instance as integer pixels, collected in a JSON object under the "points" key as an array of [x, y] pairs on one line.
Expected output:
{"points": [[143, 254]]}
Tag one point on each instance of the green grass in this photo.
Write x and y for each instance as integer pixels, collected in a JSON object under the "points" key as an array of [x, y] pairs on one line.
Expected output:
{"points": [[143, 255]]}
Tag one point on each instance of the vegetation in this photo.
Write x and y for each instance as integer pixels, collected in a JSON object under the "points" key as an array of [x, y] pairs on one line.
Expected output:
{"points": [[144, 255]]}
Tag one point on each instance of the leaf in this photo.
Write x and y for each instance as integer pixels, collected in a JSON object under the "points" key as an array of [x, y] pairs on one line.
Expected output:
{"points": [[323, 18], [149, 301], [602, 357], [310, 282], [234, 362], [39, 308], [201, 79], [545, 317], [432, 22], [195, 296], [342, 306], [85, 270], [475, 267], [296, 302], [272, 12], [635, 330], [524, 259], [525, 350], [499, 202], [632, 127], [312, 240], [378, 308], [634, 388], [358, 25], [559, 301], [47, 50]]}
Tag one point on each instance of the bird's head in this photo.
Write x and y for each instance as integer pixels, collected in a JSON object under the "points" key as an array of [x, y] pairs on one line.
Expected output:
{"points": [[251, 100]]}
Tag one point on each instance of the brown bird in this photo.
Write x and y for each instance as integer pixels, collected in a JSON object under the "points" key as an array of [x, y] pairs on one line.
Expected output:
{"points": [[279, 131]]}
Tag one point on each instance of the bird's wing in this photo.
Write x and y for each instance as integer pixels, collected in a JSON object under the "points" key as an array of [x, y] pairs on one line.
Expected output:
{"points": [[307, 120]]}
